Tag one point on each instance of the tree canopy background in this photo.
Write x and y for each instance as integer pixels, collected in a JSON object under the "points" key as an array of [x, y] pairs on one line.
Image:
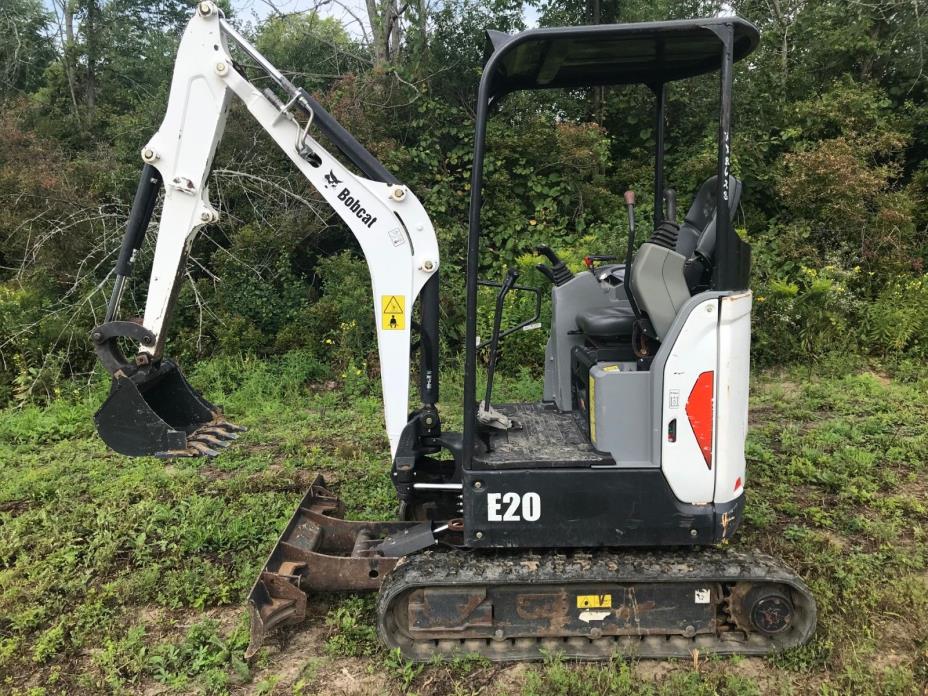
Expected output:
{"points": [[831, 138]]}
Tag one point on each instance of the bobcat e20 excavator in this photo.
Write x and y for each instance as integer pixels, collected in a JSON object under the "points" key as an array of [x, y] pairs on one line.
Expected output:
{"points": [[586, 523]]}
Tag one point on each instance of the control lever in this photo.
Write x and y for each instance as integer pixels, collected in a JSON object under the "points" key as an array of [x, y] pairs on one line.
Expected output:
{"points": [[559, 271], [670, 204], [590, 261], [486, 414], [546, 271]]}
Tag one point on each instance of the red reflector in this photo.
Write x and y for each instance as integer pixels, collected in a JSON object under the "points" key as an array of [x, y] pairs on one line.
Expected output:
{"points": [[738, 483], [699, 410]]}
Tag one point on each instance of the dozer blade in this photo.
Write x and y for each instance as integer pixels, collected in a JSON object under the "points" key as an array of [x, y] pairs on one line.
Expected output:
{"points": [[162, 416], [318, 551]]}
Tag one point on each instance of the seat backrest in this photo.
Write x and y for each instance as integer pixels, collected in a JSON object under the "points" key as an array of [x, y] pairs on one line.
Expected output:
{"points": [[660, 275], [697, 233]]}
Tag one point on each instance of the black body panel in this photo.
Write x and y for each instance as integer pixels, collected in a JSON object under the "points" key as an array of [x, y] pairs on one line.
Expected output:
{"points": [[588, 508]]}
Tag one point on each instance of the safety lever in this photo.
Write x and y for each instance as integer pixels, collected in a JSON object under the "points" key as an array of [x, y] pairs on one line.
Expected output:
{"points": [[511, 276], [486, 414]]}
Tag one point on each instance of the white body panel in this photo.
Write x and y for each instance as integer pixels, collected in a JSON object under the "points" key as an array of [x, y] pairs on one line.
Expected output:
{"points": [[391, 226], [716, 338], [695, 351], [732, 395]]}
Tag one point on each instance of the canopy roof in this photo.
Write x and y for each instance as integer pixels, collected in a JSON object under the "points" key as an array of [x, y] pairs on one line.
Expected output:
{"points": [[613, 54]]}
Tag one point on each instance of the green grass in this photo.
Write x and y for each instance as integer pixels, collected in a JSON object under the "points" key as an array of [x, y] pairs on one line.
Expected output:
{"points": [[128, 575]]}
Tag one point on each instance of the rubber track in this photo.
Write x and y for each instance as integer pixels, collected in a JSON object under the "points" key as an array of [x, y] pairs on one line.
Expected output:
{"points": [[451, 567]]}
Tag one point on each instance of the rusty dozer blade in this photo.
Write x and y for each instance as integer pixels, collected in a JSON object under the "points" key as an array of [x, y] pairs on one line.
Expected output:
{"points": [[318, 551], [159, 414]]}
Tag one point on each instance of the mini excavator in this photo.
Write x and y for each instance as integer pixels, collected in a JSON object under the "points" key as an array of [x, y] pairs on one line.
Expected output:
{"points": [[589, 523]]}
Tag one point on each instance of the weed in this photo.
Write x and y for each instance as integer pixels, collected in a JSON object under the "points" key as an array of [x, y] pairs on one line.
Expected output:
{"points": [[353, 633], [401, 669], [560, 678], [107, 564]]}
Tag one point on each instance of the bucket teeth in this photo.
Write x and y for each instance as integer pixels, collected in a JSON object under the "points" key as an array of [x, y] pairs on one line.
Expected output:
{"points": [[219, 433], [227, 426], [208, 439], [212, 437], [200, 449]]}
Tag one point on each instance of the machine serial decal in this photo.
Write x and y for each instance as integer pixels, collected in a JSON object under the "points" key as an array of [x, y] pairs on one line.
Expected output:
{"points": [[518, 508], [355, 207], [396, 237], [393, 311]]}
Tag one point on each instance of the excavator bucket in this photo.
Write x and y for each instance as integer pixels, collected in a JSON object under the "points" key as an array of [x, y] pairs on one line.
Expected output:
{"points": [[162, 416]]}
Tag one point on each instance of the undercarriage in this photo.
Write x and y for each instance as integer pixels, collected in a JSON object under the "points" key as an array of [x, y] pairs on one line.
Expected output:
{"points": [[511, 604]]}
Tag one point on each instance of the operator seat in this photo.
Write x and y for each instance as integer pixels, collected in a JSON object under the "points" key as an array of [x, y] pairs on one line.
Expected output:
{"points": [[660, 280]]}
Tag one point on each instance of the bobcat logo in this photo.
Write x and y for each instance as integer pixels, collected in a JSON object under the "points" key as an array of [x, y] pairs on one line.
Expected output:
{"points": [[331, 181]]}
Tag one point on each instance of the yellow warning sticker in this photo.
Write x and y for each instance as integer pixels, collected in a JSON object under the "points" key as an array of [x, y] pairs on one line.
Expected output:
{"points": [[594, 601], [393, 312]]}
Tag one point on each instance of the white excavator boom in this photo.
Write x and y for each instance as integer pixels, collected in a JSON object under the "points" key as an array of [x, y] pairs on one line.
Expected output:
{"points": [[392, 228]]}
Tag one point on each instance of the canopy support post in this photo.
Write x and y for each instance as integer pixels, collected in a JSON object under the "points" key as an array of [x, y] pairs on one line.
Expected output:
{"points": [[660, 94]]}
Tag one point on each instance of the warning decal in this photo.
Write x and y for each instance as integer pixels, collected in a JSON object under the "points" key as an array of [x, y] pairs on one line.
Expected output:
{"points": [[393, 312], [600, 601]]}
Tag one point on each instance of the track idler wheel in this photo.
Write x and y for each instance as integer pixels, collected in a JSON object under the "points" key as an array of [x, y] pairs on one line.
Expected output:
{"points": [[771, 611], [766, 609]]}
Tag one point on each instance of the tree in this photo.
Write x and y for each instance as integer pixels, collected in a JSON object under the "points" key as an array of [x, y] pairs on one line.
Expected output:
{"points": [[24, 46]]}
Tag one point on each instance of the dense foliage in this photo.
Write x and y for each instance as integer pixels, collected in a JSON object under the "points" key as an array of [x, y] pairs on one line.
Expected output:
{"points": [[830, 141]]}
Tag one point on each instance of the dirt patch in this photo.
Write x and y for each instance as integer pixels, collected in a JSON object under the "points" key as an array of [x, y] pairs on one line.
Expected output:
{"points": [[885, 380], [655, 671], [288, 663], [509, 679], [350, 680], [888, 659], [16, 507], [757, 671]]}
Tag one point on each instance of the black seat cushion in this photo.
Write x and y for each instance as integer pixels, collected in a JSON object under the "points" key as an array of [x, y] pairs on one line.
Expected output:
{"points": [[610, 322]]}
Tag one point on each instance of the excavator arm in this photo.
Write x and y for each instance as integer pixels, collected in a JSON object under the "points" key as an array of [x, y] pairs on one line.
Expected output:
{"points": [[151, 408]]}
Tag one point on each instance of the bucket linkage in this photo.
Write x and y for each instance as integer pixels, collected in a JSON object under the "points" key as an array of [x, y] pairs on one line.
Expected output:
{"points": [[151, 410]]}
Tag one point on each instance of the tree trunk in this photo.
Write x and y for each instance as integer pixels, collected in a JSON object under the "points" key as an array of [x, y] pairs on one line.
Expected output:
{"points": [[67, 56], [384, 17], [395, 38], [92, 57], [784, 23], [378, 38]]}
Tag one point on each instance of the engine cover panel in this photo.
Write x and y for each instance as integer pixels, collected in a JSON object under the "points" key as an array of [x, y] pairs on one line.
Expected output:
{"points": [[556, 508]]}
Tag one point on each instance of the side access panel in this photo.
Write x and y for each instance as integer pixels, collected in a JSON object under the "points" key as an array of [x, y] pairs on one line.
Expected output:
{"points": [[583, 508], [688, 408]]}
